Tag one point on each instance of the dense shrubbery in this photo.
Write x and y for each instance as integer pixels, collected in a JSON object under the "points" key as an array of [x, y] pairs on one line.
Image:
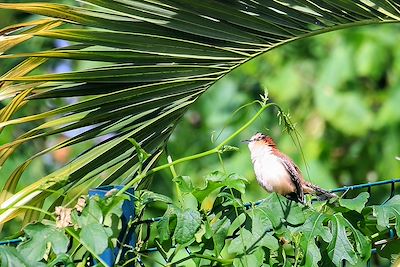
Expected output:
{"points": [[211, 226]]}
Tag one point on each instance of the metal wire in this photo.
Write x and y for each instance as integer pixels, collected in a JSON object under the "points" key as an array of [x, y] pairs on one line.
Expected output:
{"points": [[369, 185], [11, 242]]}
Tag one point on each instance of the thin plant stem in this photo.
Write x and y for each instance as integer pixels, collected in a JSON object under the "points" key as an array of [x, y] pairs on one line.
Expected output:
{"points": [[202, 256], [217, 149], [174, 175]]}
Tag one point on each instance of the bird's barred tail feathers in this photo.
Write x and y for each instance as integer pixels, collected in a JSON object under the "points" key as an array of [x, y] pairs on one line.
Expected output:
{"points": [[320, 193]]}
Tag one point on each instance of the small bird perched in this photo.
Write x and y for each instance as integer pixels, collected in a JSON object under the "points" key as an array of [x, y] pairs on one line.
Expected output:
{"points": [[276, 172]]}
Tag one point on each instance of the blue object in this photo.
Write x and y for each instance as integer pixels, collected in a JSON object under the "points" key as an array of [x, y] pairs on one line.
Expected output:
{"points": [[128, 213], [15, 241]]}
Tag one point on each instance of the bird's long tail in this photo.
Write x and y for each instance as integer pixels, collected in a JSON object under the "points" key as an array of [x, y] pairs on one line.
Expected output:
{"points": [[321, 194]]}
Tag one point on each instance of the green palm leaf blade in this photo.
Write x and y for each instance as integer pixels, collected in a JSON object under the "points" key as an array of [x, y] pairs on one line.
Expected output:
{"points": [[157, 58]]}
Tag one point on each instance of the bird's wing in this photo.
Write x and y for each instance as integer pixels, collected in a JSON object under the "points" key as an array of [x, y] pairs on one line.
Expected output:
{"points": [[295, 176]]}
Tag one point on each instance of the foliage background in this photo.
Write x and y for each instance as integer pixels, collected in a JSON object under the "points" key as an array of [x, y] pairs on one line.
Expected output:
{"points": [[340, 88]]}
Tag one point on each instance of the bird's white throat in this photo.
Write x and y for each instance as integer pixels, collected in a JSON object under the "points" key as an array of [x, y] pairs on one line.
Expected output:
{"points": [[258, 151]]}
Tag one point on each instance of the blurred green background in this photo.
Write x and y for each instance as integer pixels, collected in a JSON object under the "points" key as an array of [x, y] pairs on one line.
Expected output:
{"points": [[342, 90]]}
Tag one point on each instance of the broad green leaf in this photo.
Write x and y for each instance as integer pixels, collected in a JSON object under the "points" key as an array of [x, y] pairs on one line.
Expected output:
{"points": [[163, 228], [95, 236], [39, 235], [237, 182], [254, 259], [388, 211], [111, 205], [220, 230], [280, 210], [188, 222], [313, 228], [340, 247], [312, 254], [357, 203], [261, 230], [363, 244], [389, 250], [260, 236], [240, 244], [189, 201], [219, 180], [237, 223], [10, 257], [184, 183], [91, 214]]}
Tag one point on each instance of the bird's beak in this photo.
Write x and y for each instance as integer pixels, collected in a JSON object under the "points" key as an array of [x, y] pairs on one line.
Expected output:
{"points": [[246, 141]]}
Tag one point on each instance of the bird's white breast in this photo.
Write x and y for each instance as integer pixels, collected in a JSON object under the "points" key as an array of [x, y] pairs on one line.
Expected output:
{"points": [[270, 171]]}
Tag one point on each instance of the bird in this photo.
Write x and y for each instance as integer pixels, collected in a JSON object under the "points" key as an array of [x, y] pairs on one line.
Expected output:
{"points": [[276, 172]]}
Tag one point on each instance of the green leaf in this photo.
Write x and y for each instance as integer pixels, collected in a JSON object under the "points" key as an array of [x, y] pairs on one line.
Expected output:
{"points": [[280, 211], [313, 255], [237, 182], [39, 235], [95, 236], [388, 211], [237, 222], [389, 250], [220, 230], [241, 243], [313, 228], [218, 180], [184, 183], [109, 205], [260, 236], [10, 257], [147, 197], [340, 247], [254, 259], [163, 226], [91, 214], [189, 201], [188, 222], [262, 231], [363, 244], [357, 203]]}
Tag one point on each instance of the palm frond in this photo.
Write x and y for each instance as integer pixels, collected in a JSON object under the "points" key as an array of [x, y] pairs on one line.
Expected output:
{"points": [[158, 58]]}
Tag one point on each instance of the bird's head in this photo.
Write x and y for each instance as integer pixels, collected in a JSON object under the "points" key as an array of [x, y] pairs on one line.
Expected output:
{"points": [[260, 140]]}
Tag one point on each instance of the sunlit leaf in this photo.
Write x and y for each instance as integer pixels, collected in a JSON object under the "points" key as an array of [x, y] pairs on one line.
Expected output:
{"points": [[340, 247], [95, 236], [313, 228], [10, 257], [389, 211], [39, 236], [357, 203], [188, 222]]}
